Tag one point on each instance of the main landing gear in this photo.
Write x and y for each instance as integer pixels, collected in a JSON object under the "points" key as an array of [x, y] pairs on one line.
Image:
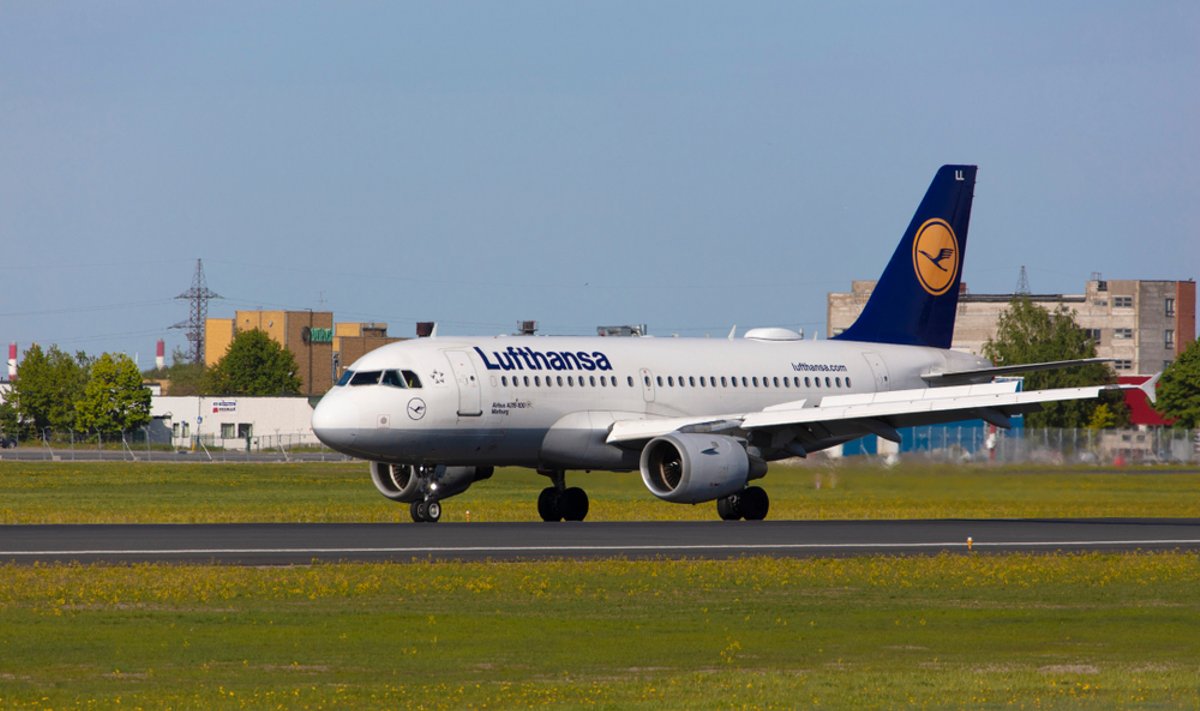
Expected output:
{"points": [[750, 503], [560, 503]]}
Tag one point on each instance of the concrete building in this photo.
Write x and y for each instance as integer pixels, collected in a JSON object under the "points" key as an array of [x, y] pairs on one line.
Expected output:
{"points": [[1143, 324], [251, 423]]}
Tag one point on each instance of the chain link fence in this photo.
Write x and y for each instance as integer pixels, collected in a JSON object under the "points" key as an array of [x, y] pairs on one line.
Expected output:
{"points": [[982, 443]]}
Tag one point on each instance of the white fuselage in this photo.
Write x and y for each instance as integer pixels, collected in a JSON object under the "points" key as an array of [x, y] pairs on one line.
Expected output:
{"points": [[546, 402]]}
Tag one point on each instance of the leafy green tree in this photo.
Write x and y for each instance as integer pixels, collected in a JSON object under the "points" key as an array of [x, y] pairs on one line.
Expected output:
{"points": [[254, 365], [183, 376], [1028, 333], [1179, 389], [114, 399], [46, 388]]}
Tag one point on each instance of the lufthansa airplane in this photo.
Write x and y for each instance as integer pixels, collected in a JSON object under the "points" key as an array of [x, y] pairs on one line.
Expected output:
{"points": [[700, 418]]}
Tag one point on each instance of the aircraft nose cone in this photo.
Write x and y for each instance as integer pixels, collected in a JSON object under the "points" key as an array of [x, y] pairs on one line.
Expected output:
{"points": [[333, 424]]}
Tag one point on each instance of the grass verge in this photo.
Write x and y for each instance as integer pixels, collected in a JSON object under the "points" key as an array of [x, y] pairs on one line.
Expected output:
{"points": [[146, 492], [1028, 631]]}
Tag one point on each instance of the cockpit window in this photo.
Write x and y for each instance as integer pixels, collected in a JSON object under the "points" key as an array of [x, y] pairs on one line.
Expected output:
{"points": [[345, 379], [392, 378], [411, 379], [365, 377]]}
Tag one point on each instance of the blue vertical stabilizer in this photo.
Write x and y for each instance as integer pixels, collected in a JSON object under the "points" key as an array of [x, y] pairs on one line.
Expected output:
{"points": [[916, 298]]}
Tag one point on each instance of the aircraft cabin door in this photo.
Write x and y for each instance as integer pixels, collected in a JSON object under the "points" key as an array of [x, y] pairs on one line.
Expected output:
{"points": [[470, 399], [647, 384], [879, 369]]}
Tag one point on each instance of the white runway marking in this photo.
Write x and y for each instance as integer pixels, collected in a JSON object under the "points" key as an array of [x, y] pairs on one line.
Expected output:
{"points": [[603, 549]]}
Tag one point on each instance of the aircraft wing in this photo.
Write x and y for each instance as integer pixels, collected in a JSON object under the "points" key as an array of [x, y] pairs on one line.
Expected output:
{"points": [[844, 417]]}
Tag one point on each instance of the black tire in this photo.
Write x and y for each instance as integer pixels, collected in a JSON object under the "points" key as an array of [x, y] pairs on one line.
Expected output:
{"points": [[573, 504], [547, 505], [433, 512], [754, 503], [727, 508], [414, 510]]}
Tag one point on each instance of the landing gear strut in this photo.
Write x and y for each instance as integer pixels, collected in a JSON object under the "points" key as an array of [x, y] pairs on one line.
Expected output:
{"points": [[750, 503], [560, 503]]}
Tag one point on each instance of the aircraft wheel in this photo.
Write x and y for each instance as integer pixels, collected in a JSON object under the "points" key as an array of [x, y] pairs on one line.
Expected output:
{"points": [[754, 503], [547, 504], [727, 508], [433, 512], [573, 504], [418, 510]]}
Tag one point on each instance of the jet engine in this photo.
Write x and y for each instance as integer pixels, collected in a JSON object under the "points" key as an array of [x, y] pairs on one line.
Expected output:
{"points": [[407, 483], [398, 482], [687, 468]]}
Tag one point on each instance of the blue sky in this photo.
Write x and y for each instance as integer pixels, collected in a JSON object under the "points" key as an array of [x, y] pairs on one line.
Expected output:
{"points": [[688, 165]]}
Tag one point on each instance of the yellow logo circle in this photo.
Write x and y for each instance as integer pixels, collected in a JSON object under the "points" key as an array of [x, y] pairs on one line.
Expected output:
{"points": [[935, 256]]}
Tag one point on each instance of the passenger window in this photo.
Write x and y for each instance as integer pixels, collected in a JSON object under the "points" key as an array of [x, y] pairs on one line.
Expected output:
{"points": [[647, 379], [733, 382], [630, 381], [745, 382], [692, 381], [345, 379], [807, 384], [847, 381], [504, 380], [755, 381], [526, 380], [659, 379], [411, 378], [671, 380], [537, 381], [816, 382], [838, 381], [796, 381], [827, 381], [365, 377], [724, 383], [777, 381], [392, 378], [592, 380]]}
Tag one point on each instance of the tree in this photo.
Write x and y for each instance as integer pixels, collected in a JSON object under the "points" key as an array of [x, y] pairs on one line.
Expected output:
{"points": [[1179, 389], [47, 387], [254, 365], [1028, 333], [114, 400]]}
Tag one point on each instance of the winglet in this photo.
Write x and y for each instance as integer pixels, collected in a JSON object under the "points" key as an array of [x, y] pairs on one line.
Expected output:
{"points": [[1149, 386]]}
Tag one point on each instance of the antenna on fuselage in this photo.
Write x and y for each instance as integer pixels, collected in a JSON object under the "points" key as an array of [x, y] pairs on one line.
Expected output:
{"points": [[732, 332]]}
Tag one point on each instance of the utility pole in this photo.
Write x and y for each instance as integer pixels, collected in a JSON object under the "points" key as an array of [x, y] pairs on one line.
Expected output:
{"points": [[1022, 282], [199, 295]]}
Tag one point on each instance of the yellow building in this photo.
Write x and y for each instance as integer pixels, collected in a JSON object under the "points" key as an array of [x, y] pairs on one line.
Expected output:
{"points": [[311, 336]]}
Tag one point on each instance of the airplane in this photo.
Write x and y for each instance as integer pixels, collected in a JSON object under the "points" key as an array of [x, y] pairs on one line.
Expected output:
{"points": [[699, 418]]}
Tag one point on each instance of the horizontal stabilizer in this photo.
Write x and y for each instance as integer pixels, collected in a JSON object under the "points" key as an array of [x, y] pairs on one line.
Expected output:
{"points": [[983, 375]]}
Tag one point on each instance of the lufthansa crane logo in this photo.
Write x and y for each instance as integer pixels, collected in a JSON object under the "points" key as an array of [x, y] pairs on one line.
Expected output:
{"points": [[935, 256]]}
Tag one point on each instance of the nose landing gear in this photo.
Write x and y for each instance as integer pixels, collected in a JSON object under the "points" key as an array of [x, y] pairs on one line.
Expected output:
{"points": [[750, 503], [560, 503], [425, 511]]}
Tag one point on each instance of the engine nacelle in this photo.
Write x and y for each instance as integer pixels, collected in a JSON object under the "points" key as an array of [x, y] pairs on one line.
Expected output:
{"points": [[406, 483], [398, 482], [689, 468], [451, 481]]}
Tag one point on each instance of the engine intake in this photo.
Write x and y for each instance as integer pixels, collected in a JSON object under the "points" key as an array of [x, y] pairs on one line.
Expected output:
{"points": [[398, 482], [688, 468]]}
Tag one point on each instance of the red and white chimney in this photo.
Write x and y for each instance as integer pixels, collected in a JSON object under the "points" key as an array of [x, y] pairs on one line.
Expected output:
{"points": [[12, 361], [160, 355]]}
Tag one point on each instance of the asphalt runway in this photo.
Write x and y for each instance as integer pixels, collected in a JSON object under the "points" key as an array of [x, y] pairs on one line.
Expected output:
{"points": [[293, 544]]}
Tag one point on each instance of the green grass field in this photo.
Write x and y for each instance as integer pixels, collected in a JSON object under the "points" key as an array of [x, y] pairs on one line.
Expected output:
{"points": [[1014, 631], [142, 492], [1022, 631]]}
